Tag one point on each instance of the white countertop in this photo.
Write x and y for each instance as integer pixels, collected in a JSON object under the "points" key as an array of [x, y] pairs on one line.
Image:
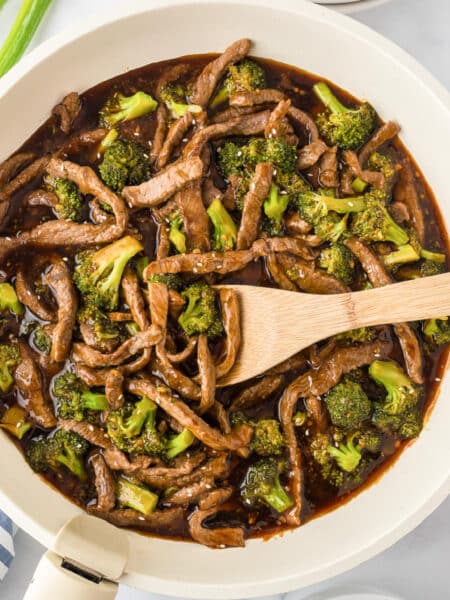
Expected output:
{"points": [[417, 567]]}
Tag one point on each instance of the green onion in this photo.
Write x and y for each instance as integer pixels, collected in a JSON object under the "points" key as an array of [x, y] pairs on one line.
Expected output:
{"points": [[22, 31]]}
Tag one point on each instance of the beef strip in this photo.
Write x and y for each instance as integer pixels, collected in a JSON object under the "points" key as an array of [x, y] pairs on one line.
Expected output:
{"points": [[231, 317], [316, 383], [399, 212], [256, 393], [227, 262], [59, 279], [215, 497], [105, 483], [160, 133], [184, 354], [189, 419], [176, 474], [195, 217], [11, 166], [384, 134], [175, 136], [221, 537], [30, 298], [329, 168], [308, 278], [252, 124], [190, 494], [41, 197], [209, 78], [32, 391], [310, 154], [353, 169], [278, 274], [114, 389], [91, 433], [93, 358], [253, 201], [207, 374], [167, 521], [25, 176], [405, 192], [257, 98], [296, 225], [163, 185], [67, 111], [379, 277]]}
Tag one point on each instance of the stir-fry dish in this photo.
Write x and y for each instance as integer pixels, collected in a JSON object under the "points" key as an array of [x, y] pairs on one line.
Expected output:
{"points": [[119, 217]]}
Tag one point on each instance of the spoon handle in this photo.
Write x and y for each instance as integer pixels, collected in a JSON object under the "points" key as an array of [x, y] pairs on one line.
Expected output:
{"points": [[415, 300]]}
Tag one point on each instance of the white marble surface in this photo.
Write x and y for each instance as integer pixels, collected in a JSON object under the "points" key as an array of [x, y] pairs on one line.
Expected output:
{"points": [[417, 567]]}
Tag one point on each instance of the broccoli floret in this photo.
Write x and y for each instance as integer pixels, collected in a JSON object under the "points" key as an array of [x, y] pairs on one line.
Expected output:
{"points": [[262, 485], [174, 97], [9, 300], [370, 440], [15, 421], [179, 443], [242, 77], [313, 207], [382, 163], [9, 359], [201, 314], [274, 208], [406, 425], [74, 399], [65, 448], [348, 405], [347, 455], [424, 268], [124, 163], [137, 497], [225, 230], [172, 280], [132, 428], [98, 274], [331, 228], [104, 329], [337, 260], [120, 108], [267, 438], [375, 224], [231, 159], [279, 153], [41, 340], [356, 336], [176, 233], [70, 202], [437, 331], [402, 393], [342, 126]]}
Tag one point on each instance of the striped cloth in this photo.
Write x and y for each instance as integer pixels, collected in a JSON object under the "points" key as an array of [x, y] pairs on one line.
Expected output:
{"points": [[7, 531]]}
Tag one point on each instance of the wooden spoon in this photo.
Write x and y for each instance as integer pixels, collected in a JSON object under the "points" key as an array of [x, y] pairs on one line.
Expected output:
{"points": [[275, 324]]}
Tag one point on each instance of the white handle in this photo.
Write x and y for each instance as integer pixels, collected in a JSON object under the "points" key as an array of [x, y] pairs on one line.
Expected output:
{"points": [[51, 580]]}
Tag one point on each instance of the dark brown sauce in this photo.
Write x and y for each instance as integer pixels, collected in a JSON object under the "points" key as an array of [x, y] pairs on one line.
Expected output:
{"points": [[297, 84]]}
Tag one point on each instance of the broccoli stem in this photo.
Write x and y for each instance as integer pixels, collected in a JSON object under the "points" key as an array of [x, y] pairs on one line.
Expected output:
{"points": [[9, 300], [21, 33], [278, 498], [326, 96], [94, 401], [434, 256], [109, 138], [179, 443], [225, 230], [404, 254], [14, 421], [276, 204], [344, 205], [359, 185], [136, 497]]}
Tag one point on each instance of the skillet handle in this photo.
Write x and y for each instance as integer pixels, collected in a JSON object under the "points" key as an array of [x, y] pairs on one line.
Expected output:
{"points": [[52, 580]]}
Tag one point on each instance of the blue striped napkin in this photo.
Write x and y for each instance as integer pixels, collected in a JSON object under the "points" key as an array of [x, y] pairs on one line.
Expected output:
{"points": [[7, 531]]}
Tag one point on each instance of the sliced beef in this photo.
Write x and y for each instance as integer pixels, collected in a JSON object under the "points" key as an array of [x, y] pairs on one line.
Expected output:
{"points": [[177, 409], [257, 98], [67, 111], [167, 521], [328, 167], [59, 279], [406, 192], [195, 218], [190, 494], [308, 278], [32, 391], [379, 277], [177, 474], [353, 169], [166, 183], [310, 154], [253, 201], [222, 537], [278, 274], [256, 393], [104, 481], [231, 317], [30, 298], [160, 132], [384, 134], [114, 389], [207, 374], [175, 136], [209, 78]]}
